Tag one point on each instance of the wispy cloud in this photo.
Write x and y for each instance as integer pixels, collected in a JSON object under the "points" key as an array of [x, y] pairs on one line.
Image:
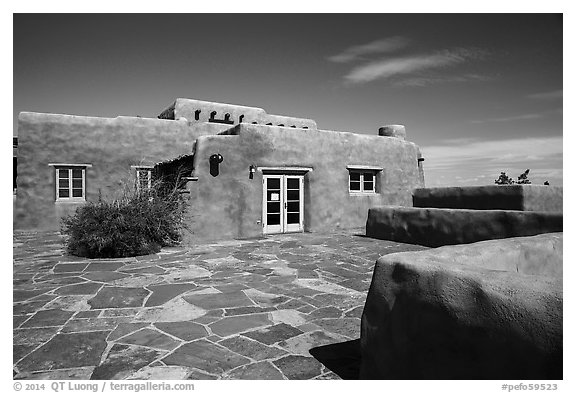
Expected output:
{"points": [[521, 117], [450, 153], [547, 95], [425, 81], [527, 116], [402, 66], [385, 45], [480, 162]]}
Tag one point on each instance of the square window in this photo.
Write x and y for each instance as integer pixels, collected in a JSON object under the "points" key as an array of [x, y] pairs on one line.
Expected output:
{"points": [[362, 181]]}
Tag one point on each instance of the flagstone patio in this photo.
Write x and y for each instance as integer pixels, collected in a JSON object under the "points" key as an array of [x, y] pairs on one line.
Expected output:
{"points": [[281, 307]]}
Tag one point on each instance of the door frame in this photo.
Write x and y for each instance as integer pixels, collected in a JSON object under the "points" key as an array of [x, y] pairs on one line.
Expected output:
{"points": [[270, 229], [283, 226], [296, 227]]}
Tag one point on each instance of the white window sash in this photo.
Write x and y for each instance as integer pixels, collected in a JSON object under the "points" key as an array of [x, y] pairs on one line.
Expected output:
{"points": [[361, 190], [70, 197], [139, 172]]}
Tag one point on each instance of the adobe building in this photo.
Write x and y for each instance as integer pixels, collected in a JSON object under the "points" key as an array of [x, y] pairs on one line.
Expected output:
{"points": [[246, 173]]}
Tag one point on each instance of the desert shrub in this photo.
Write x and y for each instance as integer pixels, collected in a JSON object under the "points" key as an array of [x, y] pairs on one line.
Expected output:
{"points": [[136, 223]]}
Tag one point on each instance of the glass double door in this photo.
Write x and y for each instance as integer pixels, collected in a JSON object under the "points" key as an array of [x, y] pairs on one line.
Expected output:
{"points": [[283, 203]]}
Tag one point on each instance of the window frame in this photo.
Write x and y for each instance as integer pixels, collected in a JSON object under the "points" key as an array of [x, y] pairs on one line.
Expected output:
{"points": [[142, 168], [69, 168], [362, 170]]}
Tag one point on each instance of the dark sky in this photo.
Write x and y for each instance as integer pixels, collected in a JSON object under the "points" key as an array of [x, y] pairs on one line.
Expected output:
{"points": [[479, 93]]}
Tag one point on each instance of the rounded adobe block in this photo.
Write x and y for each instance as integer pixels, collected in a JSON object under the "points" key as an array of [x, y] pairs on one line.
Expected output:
{"points": [[466, 312], [393, 130]]}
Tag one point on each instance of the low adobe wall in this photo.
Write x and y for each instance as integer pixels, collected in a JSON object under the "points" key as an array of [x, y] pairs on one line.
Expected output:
{"points": [[543, 198], [439, 227], [487, 310], [513, 197]]}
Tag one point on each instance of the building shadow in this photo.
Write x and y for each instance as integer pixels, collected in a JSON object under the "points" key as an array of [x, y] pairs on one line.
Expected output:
{"points": [[342, 358]]}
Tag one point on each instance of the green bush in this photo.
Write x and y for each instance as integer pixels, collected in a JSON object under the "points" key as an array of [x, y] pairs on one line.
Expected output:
{"points": [[138, 223]]}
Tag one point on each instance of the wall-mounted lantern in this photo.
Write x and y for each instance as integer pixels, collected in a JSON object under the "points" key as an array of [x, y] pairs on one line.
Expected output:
{"points": [[252, 171], [215, 160]]}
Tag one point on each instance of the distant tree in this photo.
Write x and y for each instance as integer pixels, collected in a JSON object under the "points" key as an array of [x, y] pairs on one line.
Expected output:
{"points": [[523, 178], [503, 179]]}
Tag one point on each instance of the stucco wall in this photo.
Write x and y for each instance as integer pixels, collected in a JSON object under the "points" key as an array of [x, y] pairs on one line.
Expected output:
{"points": [[538, 255], [230, 205], [439, 227], [288, 121], [466, 312], [226, 206], [112, 146], [543, 198], [184, 107], [420, 168], [512, 197]]}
